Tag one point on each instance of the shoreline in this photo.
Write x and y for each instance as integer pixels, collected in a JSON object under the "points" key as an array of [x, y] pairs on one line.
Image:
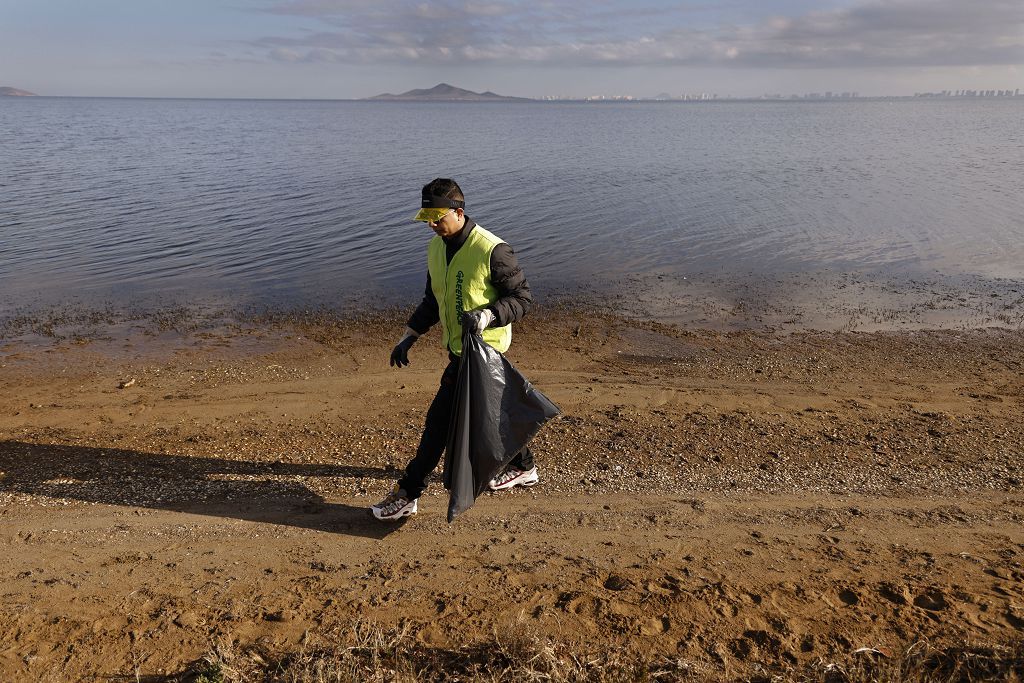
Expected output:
{"points": [[810, 301], [741, 501]]}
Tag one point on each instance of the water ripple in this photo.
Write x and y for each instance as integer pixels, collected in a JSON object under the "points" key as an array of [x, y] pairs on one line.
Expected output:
{"points": [[310, 198]]}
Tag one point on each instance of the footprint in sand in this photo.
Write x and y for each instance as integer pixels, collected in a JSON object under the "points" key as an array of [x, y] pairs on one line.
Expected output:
{"points": [[432, 635], [933, 600], [580, 604], [894, 593], [656, 626], [741, 648], [617, 582], [848, 597]]}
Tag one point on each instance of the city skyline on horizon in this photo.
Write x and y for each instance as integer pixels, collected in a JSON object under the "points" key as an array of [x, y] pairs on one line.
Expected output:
{"points": [[353, 49]]}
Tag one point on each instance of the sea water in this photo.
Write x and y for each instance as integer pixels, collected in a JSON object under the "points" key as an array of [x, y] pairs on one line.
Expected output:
{"points": [[309, 203]]}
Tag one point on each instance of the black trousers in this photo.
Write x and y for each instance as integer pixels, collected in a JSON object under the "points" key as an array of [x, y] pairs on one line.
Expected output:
{"points": [[435, 436]]}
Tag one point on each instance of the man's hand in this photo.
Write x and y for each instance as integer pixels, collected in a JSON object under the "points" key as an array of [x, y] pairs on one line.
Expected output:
{"points": [[477, 321], [400, 354]]}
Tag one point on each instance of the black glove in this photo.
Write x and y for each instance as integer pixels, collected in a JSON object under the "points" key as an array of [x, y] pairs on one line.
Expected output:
{"points": [[477, 321], [400, 354]]}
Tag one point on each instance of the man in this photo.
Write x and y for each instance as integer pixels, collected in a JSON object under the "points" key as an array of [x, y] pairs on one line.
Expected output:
{"points": [[473, 279]]}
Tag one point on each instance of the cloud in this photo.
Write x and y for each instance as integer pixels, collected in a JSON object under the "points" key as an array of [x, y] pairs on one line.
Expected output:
{"points": [[282, 54], [895, 33]]}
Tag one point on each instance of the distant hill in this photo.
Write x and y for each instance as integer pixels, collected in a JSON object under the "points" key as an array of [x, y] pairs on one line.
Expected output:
{"points": [[14, 92], [442, 92]]}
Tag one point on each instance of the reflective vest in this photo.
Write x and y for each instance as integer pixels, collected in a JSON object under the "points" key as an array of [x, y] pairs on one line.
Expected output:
{"points": [[465, 285]]}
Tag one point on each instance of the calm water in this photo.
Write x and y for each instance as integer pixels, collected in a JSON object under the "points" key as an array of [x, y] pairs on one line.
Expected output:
{"points": [[309, 203]]}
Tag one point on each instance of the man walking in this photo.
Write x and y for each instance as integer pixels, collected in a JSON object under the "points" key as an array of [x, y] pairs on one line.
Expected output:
{"points": [[473, 280]]}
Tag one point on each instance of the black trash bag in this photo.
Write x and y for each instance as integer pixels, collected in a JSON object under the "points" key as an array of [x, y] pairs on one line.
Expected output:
{"points": [[496, 413]]}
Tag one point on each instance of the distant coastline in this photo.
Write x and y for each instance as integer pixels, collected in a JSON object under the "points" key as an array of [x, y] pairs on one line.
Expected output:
{"points": [[461, 95], [443, 92]]}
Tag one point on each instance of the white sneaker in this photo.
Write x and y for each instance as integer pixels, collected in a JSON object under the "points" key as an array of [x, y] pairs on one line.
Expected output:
{"points": [[513, 477], [395, 506]]}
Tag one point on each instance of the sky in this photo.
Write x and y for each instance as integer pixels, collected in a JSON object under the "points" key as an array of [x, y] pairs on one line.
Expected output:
{"points": [[339, 49]]}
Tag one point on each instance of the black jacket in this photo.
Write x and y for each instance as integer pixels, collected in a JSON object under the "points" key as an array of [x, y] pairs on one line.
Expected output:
{"points": [[514, 298]]}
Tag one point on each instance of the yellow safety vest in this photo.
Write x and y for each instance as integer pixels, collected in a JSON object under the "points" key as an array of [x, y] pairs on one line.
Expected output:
{"points": [[465, 285]]}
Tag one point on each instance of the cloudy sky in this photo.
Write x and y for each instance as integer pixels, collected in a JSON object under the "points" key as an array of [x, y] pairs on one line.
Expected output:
{"points": [[532, 48]]}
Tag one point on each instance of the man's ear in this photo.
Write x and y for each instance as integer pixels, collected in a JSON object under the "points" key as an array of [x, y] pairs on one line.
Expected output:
{"points": [[460, 212]]}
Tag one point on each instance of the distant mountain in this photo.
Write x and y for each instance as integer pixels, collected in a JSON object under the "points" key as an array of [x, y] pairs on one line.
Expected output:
{"points": [[14, 92], [442, 92]]}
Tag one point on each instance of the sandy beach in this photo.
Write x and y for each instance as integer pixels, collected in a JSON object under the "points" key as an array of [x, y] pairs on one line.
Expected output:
{"points": [[713, 505]]}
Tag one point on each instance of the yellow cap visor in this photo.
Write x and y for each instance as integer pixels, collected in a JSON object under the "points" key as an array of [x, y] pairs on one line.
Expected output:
{"points": [[431, 215]]}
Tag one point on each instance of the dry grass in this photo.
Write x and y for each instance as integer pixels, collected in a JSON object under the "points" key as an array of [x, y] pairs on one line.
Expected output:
{"points": [[923, 663], [372, 654], [376, 655]]}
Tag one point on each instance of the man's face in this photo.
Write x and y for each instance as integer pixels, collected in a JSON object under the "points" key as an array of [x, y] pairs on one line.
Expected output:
{"points": [[449, 224]]}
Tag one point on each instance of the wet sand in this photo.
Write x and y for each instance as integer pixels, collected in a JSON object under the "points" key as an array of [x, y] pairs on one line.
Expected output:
{"points": [[737, 501]]}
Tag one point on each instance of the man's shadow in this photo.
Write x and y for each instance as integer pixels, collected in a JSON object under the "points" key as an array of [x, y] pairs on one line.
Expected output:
{"points": [[236, 489]]}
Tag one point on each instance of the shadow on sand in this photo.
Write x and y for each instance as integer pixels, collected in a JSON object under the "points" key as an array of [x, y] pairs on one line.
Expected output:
{"points": [[238, 489]]}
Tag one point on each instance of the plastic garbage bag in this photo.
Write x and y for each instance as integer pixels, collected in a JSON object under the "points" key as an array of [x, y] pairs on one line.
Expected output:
{"points": [[496, 413]]}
